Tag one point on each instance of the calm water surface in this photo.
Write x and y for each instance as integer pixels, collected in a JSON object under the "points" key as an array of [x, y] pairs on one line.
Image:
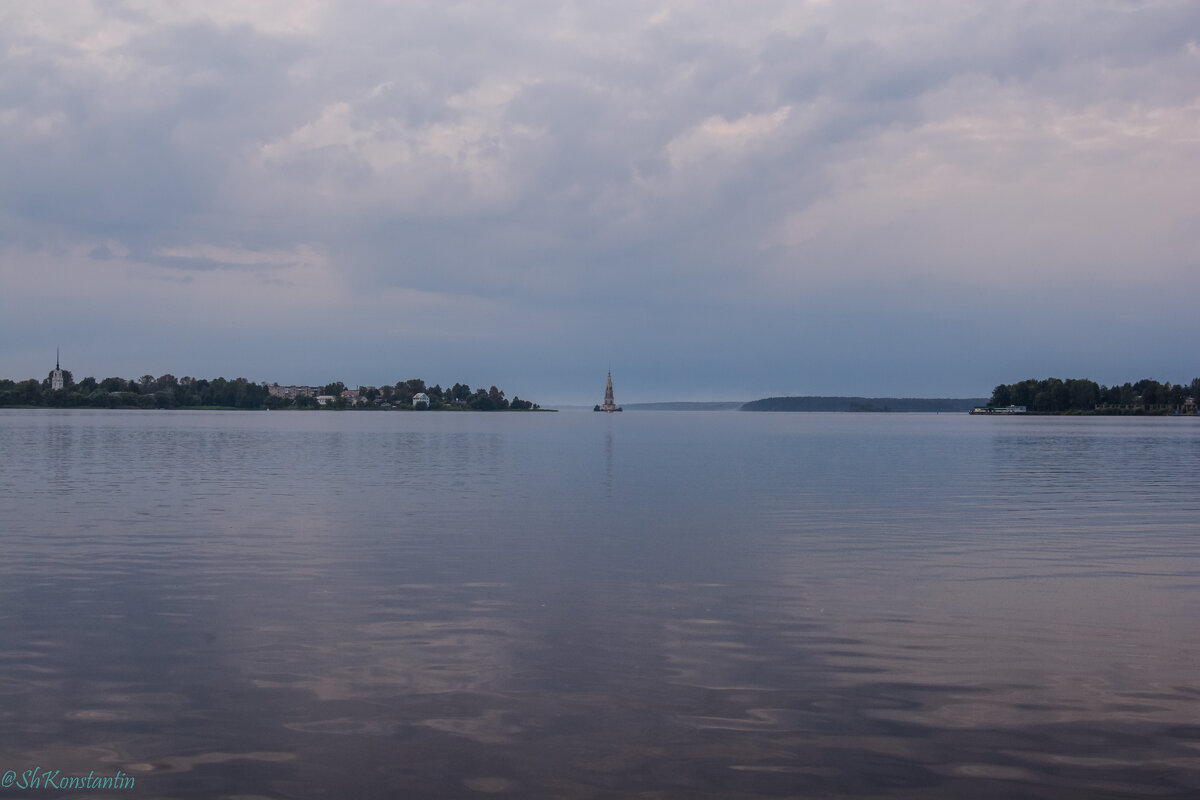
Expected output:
{"points": [[575, 605]]}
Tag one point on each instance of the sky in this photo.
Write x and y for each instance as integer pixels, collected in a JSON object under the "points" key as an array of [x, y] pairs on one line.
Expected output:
{"points": [[713, 200]]}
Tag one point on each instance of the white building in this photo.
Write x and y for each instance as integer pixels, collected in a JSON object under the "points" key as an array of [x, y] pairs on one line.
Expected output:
{"points": [[420, 399], [292, 392], [56, 377]]}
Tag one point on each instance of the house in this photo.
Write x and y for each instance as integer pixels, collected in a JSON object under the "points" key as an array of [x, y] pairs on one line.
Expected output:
{"points": [[292, 392], [420, 399]]}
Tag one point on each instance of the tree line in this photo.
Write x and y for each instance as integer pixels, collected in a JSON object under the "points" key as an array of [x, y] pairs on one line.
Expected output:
{"points": [[167, 391], [1079, 396]]}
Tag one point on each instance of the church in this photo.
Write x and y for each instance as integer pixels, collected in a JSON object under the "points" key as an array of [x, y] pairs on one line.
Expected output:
{"points": [[56, 376], [610, 405]]}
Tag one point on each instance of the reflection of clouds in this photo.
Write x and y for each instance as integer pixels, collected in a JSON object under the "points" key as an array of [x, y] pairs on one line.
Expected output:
{"points": [[1055, 660], [755, 719], [490, 727], [390, 600], [706, 653], [364, 660], [1016, 625], [189, 763]]}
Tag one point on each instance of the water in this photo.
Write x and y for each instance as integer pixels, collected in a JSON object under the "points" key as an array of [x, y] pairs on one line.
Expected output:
{"points": [[575, 605]]}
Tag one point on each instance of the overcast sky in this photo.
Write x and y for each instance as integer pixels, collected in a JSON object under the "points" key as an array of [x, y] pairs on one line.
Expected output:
{"points": [[718, 200]]}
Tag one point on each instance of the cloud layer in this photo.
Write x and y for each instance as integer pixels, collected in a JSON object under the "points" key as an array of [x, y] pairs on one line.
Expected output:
{"points": [[719, 200]]}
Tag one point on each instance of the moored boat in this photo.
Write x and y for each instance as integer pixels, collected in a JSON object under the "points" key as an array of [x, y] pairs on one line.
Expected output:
{"points": [[997, 410]]}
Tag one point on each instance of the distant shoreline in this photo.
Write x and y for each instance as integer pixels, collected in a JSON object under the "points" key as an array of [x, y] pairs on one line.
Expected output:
{"points": [[685, 405], [405, 409], [882, 405]]}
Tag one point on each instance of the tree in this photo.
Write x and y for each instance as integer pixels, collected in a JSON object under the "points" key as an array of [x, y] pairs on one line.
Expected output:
{"points": [[1084, 394], [497, 398], [28, 393], [1021, 394], [1120, 395], [481, 401], [1060, 397], [335, 389]]}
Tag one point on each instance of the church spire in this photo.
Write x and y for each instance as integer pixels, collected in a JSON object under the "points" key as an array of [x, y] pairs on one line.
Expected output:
{"points": [[57, 377], [610, 405]]}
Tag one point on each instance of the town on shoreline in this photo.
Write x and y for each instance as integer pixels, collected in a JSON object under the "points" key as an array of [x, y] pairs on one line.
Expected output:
{"points": [[60, 390]]}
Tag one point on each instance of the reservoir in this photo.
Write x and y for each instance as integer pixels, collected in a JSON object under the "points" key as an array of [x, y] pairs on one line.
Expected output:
{"points": [[577, 605]]}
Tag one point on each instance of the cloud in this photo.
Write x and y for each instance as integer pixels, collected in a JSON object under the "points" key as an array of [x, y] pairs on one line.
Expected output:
{"points": [[656, 166], [207, 256], [1002, 186]]}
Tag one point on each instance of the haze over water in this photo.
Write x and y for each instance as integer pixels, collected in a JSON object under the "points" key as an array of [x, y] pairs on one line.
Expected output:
{"points": [[578, 605]]}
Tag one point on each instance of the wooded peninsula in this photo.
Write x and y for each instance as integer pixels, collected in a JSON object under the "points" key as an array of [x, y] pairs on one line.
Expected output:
{"points": [[1083, 396], [166, 391]]}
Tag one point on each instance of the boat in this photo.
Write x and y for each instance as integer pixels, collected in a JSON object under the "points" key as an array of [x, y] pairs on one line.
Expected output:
{"points": [[984, 410]]}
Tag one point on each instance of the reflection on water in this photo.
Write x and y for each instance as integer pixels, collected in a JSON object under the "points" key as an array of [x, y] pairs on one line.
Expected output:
{"points": [[666, 605], [608, 460]]}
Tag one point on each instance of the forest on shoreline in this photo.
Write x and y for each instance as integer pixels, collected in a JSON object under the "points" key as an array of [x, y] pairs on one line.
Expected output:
{"points": [[1083, 396], [166, 391]]}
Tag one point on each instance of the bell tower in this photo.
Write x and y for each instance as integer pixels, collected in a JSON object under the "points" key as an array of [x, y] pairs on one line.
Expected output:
{"points": [[56, 377], [609, 404]]}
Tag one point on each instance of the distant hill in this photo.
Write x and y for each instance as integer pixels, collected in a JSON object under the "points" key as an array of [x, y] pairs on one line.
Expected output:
{"points": [[683, 406], [878, 404]]}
